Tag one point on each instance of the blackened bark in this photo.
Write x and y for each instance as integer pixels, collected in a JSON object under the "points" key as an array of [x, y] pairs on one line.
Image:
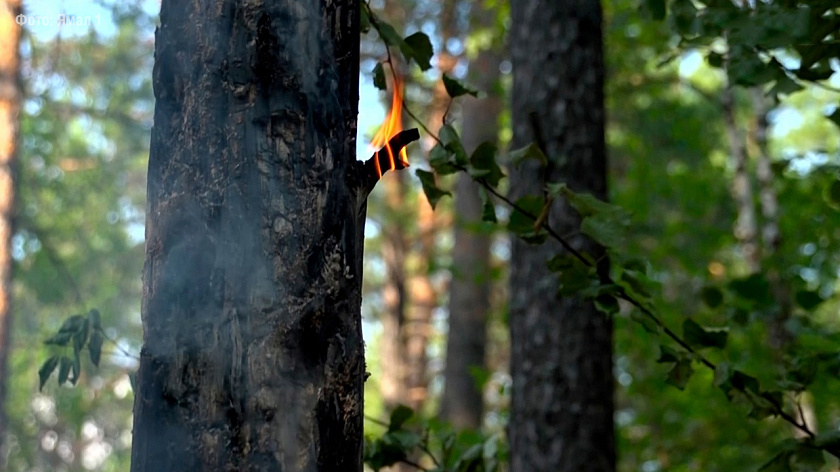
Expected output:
{"points": [[469, 299], [253, 357], [10, 96], [561, 364]]}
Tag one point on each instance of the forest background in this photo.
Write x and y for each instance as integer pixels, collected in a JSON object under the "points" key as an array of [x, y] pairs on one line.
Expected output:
{"points": [[694, 161]]}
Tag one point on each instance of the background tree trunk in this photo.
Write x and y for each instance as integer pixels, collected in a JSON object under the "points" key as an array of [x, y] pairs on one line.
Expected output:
{"points": [[253, 355], [10, 96], [561, 359], [469, 299]]}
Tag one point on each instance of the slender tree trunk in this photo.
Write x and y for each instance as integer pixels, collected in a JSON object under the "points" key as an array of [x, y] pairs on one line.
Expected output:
{"points": [[561, 360], [253, 356], [10, 96], [469, 299], [746, 226]]}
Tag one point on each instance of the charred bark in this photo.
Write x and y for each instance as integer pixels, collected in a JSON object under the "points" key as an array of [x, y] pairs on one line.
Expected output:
{"points": [[253, 355], [561, 359], [10, 96]]}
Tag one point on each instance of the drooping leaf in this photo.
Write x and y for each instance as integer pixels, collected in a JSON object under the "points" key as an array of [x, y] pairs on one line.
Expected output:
{"points": [[442, 160], [488, 209], [646, 322], [95, 319], [657, 9], [421, 49], [523, 217], [711, 296], [680, 373], [452, 142], [455, 88], [364, 21], [64, 369], [529, 152], [607, 304], [808, 299], [95, 347], [574, 276], [754, 288], [483, 164], [379, 77], [668, 354], [697, 336], [46, 370], [430, 188], [399, 416]]}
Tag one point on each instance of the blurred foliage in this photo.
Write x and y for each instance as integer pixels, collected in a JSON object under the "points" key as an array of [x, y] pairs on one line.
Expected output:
{"points": [[84, 143], [79, 243]]}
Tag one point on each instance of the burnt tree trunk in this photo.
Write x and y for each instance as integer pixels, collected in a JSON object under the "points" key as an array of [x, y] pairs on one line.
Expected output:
{"points": [[561, 359], [10, 96], [253, 356]]}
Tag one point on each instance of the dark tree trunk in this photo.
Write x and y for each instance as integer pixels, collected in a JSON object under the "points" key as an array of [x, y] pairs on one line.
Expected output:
{"points": [[253, 356], [469, 299], [10, 96], [561, 364]]}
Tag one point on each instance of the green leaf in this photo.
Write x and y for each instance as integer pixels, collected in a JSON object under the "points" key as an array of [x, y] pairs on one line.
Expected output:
{"points": [[442, 160], [64, 369], [95, 319], [807, 459], [832, 193], [390, 35], [646, 322], [483, 164], [657, 9], [364, 22], [455, 88], [779, 463], [808, 299], [696, 335], [95, 347], [522, 224], [835, 116], [77, 367], [680, 373], [46, 370], [607, 304], [379, 77], [60, 338], [754, 288], [80, 336], [668, 354], [723, 375], [607, 229], [488, 209], [711, 296], [421, 49], [574, 276], [433, 193], [452, 142], [399, 416], [529, 152]]}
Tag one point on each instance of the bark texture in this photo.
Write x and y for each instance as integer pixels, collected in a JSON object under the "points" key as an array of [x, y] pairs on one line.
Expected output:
{"points": [[469, 299], [10, 96], [253, 356], [561, 359]]}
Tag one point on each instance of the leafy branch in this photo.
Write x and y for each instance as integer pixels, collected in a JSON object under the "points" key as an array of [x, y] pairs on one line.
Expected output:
{"points": [[578, 272]]}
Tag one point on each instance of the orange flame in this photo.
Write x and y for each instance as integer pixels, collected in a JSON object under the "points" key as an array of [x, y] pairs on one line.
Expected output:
{"points": [[390, 127]]}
